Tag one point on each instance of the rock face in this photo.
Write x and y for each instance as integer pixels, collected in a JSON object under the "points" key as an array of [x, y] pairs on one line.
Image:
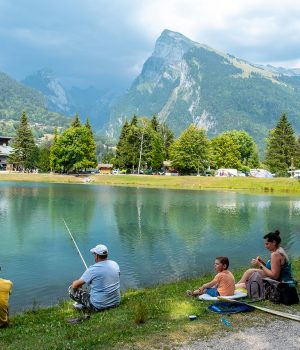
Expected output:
{"points": [[44, 81], [88, 102], [185, 82]]}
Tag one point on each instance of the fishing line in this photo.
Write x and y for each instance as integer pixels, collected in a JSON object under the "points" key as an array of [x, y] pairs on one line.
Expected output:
{"points": [[76, 246]]}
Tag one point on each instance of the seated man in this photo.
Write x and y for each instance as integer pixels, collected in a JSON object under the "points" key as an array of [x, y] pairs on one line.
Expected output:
{"points": [[5, 290], [104, 280]]}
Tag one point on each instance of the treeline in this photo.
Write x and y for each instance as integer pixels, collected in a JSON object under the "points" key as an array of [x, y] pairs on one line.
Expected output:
{"points": [[144, 144], [73, 150]]}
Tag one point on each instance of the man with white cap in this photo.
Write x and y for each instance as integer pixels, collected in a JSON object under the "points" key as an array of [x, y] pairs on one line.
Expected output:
{"points": [[104, 280]]}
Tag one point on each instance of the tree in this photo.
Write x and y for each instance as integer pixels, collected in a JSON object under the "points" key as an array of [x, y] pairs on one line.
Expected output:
{"points": [[190, 152], [122, 147], [296, 159], [154, 123], [54, 153], [140, 145], [167, 139], [44, 159], [75, 149], [24, 149], [246, 147], [281, 147], [76, 122], [155, 156], [225, 152], [108, 157]]}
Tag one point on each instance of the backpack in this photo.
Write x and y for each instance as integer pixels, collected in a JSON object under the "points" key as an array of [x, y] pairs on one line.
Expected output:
{"points": [[255, 287], [281, 292]]}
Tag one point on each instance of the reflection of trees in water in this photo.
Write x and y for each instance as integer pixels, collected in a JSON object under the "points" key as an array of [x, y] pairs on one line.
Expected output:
{"points": [[189, 217], [143, 228], [140, 218], [24, 203], [283, 216], [31, 207], [230, 215], [76, 204]]}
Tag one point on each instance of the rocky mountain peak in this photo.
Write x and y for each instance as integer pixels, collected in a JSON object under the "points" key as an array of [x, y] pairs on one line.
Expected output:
{"points": [[45, 81], [171, 46]]}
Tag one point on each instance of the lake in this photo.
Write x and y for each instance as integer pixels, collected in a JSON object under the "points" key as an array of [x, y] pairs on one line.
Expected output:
{"points": [[156, 235]]}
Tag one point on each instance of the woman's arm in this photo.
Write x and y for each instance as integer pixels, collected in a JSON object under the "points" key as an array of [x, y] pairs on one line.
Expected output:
{"points": [[274, 273]]}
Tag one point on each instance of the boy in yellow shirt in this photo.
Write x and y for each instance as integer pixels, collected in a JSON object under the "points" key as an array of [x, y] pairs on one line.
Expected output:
{"points": [[5, 290]]}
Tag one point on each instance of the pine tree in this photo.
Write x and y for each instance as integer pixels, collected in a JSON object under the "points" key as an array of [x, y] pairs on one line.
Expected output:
{"points": [[23, 146], [154, 123], [296, 159], [76, 122], [122, 147], [281, 147], [167, 138], [54, 153]]}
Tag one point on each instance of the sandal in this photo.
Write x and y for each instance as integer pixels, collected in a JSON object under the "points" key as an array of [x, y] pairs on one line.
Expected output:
{"points": [[76, 320]]}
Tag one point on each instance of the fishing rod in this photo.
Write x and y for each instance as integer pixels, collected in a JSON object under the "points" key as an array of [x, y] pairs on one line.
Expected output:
{"points": [[76, 246], [273, 312]]}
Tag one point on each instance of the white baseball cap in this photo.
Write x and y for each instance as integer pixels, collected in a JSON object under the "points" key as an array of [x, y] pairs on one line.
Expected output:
{"points": [[100, 249]]}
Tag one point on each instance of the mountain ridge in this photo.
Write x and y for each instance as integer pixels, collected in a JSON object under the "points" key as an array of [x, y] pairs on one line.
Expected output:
{"points": [[185, 82]]}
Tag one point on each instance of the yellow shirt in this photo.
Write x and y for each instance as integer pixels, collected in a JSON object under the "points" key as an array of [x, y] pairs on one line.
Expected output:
{"points": [[5, 290], [225, 283]]}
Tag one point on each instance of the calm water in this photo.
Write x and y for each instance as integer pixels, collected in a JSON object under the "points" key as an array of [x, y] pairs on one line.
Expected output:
{"points": [[155, 235]]}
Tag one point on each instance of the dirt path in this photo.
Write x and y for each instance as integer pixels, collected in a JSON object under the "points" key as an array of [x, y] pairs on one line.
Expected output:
{"points": [[278, 334]]}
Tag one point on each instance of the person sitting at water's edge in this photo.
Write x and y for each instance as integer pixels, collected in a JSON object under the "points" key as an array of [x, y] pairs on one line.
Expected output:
{"points": [[277, 267], [104, 280], [222, 285], [5, 291]]}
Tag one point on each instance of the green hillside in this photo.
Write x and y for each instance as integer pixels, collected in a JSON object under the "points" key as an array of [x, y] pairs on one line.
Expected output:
{"points": [[15, 98]]}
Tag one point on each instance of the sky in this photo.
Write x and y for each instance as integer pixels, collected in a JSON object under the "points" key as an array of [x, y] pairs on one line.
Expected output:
{"points": [[105, 42]]}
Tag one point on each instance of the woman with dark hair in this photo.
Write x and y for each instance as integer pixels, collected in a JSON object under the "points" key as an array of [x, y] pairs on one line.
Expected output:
{"points": [[277, 267]]}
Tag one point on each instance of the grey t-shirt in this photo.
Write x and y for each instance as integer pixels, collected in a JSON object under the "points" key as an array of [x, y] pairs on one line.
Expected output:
{"points": [[104, 280]]}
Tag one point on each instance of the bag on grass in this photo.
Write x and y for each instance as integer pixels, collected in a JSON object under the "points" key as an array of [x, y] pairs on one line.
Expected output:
{"points": [[281, 292], [255, 287]]}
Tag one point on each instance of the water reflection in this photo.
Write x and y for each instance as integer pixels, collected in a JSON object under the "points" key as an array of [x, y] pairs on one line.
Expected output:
{"points": [[156, 235]]}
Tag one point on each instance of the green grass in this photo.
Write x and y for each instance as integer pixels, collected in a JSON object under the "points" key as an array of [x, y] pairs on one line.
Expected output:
{"points": [[150, 318], [245, 184]]}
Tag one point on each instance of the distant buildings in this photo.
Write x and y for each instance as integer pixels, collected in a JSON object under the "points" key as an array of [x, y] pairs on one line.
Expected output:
{"points": [[5, 151]]}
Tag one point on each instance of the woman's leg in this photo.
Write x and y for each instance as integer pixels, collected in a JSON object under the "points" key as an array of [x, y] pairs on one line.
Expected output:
{"points": [[247, 274]]}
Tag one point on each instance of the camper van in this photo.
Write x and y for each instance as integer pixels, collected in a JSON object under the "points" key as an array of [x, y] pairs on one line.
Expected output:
{"points": [[296, 174]]}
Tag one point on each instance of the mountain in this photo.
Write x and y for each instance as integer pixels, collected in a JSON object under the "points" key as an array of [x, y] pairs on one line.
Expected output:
{"points": [[15, 98], [89, 102], [45, 82], [185, 82]]}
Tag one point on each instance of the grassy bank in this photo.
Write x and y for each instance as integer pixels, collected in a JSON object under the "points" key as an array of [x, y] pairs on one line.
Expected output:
{"points": [[154, 318], [247, 184]]}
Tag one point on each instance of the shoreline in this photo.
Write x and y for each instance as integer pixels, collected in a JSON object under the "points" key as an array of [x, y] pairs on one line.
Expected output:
{"points": [[242, 184], [148, 318]]}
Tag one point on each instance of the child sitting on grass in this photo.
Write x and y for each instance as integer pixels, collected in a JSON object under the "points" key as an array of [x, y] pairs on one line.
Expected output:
{"points": [[222, 285]]}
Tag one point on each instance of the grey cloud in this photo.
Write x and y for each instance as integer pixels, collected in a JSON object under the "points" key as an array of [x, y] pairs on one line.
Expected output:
{"points": [[102, 42]]}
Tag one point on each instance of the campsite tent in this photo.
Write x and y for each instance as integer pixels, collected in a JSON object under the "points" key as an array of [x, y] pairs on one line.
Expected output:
{"points": [[260, 173]]}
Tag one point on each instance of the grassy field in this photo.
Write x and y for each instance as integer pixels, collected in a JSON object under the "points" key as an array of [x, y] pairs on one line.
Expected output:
{"points": [[246, 184], [154, 318]]}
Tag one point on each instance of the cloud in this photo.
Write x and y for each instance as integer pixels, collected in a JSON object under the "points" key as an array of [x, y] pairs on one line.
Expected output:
{"points": [[106, 42]]}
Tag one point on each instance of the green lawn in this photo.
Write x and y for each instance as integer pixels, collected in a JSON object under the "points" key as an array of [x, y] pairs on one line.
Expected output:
{"points": [[245, 184], [151, 318]]}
